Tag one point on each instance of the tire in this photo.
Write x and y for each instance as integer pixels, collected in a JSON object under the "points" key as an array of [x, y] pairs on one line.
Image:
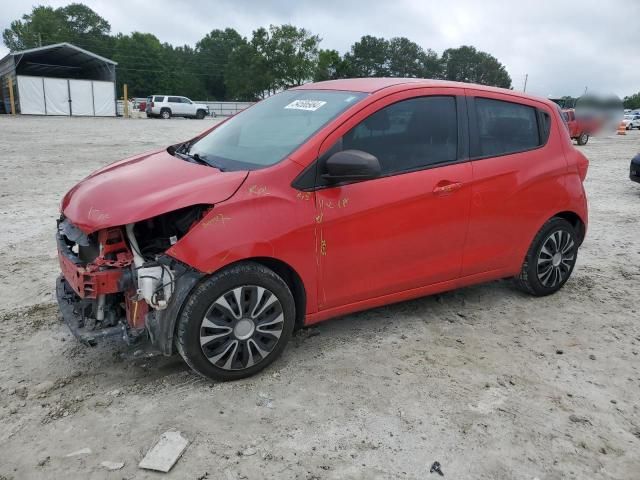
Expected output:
{"points": [[165, 113], [200, 114], [583, 138], [236, 339], [547, 268]]}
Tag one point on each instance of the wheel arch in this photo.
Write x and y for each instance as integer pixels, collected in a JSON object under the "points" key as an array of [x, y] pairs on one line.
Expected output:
{"points": [[291, 278], [576, 222]]}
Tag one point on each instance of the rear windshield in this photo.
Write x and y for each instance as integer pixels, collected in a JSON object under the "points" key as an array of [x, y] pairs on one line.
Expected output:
{"points": [[273, 128]]}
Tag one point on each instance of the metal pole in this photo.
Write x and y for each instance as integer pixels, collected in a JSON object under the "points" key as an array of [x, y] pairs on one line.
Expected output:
{"points": [[11, 98], [126, 101], [526, 77]]}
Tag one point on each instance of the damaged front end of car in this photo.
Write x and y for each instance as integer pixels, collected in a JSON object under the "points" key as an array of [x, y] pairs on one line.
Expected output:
{"points": [[119, 282]]}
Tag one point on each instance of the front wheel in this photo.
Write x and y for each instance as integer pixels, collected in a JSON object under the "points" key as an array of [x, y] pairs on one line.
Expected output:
{"points": [[200, 114], [583, 139], [550, 259], [236, 323]]}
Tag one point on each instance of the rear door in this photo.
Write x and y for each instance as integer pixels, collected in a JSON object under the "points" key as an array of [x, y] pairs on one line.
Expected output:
{"points": [[518, 178], [405, 229], [176, 106]]}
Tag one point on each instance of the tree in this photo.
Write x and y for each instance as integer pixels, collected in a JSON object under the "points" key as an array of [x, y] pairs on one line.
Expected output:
{"points": [[291, 53], [368, 57], [141, 63], [212, 54], [42, 23], [330, 66], [408, 59], [632, 101], [466, 64], [247, 76], [75, 23]]}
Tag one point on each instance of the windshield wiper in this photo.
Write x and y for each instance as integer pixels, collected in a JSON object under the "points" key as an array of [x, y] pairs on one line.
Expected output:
{"points": [[197, 158], [203, 159]]}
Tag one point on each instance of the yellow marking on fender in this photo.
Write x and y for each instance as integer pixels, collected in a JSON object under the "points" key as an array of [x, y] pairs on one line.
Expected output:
{"points": [[216, 220], [258, 190]]}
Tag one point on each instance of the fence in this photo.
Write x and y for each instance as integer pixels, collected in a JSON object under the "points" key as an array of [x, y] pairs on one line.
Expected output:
{"points": [[216, 109]]}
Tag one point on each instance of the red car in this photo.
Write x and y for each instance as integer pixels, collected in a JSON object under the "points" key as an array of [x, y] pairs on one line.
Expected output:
{"points": [[580, 128], [322, 200]]}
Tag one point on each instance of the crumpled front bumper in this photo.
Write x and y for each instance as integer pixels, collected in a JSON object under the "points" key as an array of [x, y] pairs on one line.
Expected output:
{"points": [[72, 308]]}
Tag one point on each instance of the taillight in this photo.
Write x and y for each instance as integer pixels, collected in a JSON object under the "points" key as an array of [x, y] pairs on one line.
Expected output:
{"points": [[151, 104]]}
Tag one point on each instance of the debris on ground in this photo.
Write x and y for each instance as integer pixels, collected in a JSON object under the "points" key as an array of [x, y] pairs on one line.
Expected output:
{"points": [[82, 451], [112, 465], [577, 419], [264, 400], [165, 453], [436, 468]]}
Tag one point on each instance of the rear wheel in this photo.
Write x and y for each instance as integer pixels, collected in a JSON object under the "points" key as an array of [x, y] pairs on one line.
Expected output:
{"points": [[165, 113], [236, 323], [583, 138], [550, 259]]}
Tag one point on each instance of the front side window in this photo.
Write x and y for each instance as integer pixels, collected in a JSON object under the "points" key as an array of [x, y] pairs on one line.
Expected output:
{"points": [[269, 131], [505, 127], [408, 135], [174, 100], [186, 100]]}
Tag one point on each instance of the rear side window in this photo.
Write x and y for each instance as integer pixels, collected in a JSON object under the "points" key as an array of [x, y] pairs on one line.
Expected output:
{"points": [[408, 135], [158, 99], [505, 127], [545, 127]]}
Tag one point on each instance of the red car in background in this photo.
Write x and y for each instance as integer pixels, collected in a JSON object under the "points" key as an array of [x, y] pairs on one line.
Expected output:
{"points": [[580, 128], [323, 200]]}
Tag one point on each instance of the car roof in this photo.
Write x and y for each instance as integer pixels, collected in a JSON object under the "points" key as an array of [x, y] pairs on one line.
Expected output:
{"points": [[372, 85]]}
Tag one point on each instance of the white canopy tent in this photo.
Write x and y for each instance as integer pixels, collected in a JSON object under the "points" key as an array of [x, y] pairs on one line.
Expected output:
{"points": [[61, 79]]}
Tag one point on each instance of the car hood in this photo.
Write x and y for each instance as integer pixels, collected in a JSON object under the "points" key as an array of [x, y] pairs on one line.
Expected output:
{"points": [[143, 187]]}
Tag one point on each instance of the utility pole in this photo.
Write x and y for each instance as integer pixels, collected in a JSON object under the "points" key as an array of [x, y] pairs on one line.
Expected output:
{"points": [[39, 39], [526, 77]]}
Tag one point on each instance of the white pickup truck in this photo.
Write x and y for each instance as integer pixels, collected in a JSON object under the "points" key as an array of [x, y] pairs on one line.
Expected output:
{"points": [[165, 106]]}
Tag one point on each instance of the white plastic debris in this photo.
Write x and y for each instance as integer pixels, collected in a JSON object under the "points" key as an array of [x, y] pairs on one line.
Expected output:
{"points": [[165, 453], [112, 465], [82, 451]]}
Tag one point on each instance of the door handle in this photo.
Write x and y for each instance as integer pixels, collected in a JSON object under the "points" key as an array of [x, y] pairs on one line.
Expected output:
{"points": [[448, 187]]}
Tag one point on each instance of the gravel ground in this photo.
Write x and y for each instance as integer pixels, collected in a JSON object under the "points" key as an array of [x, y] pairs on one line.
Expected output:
{"points": [[490, 382]]}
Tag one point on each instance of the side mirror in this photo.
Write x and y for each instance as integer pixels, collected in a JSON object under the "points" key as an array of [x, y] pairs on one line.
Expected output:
{"points": [[350, 165]]}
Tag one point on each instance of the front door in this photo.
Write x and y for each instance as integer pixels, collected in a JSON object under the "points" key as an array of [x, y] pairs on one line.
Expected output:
{"points": [[407, 228]]}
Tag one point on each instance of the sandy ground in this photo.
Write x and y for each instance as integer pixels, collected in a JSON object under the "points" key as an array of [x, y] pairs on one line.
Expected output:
{"points": [[490, 382]]}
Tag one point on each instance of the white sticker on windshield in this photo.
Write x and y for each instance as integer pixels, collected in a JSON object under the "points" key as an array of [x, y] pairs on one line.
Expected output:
{"points": [[308, 105]]}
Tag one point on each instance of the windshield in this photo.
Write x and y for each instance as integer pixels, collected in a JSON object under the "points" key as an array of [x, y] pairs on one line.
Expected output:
{"points": [[273, 128]]}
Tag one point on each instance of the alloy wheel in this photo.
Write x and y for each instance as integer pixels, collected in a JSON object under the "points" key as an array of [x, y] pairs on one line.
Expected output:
{"points": [[241, 327], [556, 258]]}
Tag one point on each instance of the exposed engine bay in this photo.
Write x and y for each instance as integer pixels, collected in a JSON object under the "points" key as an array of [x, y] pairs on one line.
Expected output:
{"points": [[111, 279]]}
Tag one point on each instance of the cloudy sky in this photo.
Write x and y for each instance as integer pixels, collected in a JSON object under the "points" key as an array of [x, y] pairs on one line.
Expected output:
{"points": [[563, 45]]}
